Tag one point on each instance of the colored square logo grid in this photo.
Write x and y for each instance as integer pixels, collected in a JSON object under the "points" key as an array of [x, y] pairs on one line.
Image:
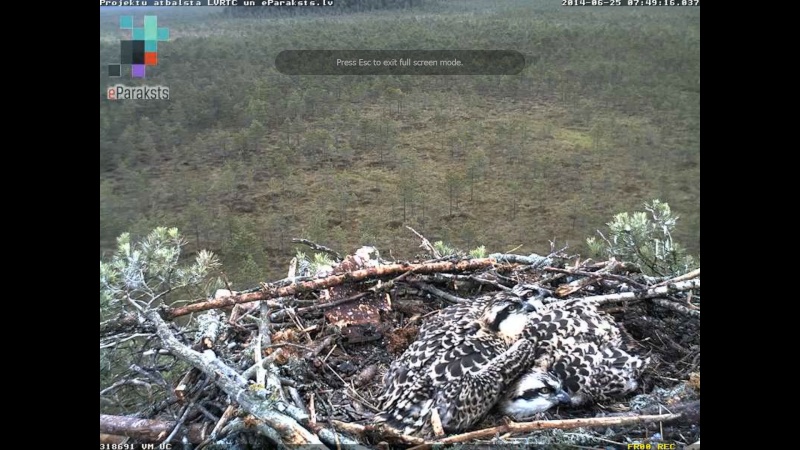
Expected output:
{"points": [[142, 49]]}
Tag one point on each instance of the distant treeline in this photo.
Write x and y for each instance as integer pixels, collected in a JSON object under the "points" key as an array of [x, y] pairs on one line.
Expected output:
{"points": [[339, 7]]}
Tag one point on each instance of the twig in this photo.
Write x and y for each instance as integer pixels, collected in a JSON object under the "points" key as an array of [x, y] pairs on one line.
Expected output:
{"points": [[382, 431], [251, 371], [426, 244], [336, 439], [591, 278], [568, 424], [118, 384], [298, 401], [239, 425], [271, 292], [319, 347], [299, 324], [279, 315], [689, 411], [320, 248], [532, 260], [287, 382], [225, 280], [156, 377], [639, 295], [226, 416], [676, 307], [493, 283], [666, 340], [233, 384], [290, 344], [264, 325], [325, 359], [206, 413], [312, 413], [112, 439], [452, 277], [436, 423], [147, 430], [599, 274], [687, 276], [439, 293], [261, 372], [119, 341], [353, 391]]}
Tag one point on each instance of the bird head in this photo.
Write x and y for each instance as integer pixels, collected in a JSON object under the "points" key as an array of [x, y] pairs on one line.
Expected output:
{"points": [[535, 392], [508, 315], [532, 291]]}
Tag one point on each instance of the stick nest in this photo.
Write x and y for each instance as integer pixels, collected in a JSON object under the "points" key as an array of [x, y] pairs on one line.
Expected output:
{"points": [[330, 359]]}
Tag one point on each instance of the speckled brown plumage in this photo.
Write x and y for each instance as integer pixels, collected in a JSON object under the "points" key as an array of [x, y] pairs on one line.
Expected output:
{"points": [[461, 363], [583, 349]]}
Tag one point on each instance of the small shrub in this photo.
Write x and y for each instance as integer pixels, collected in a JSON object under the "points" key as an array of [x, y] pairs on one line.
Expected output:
{"points": [[645, 239]]}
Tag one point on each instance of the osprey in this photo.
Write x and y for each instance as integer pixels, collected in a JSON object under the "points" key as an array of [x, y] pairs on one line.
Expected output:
{"points": [[461, 364], [580, 352]]}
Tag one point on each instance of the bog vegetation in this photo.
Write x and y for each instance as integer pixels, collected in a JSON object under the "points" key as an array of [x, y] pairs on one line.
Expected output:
{"points": [[242, 158]]}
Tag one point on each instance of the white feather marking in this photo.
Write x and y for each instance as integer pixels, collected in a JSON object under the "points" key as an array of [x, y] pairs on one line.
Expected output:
{"points": [[521, 408], [511, 328]]}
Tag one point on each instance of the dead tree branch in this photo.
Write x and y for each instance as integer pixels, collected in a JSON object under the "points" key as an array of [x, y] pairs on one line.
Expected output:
{"points": [[334, 280], [426, 244], [226, 416], [272, 413], [599, 274], [689, 411], [240, 426], [279, 315], [383, 432], [337, 440], [676, 307], [439, 293], [687, 276], [532, 260], [538, 425], [148, 430], [641, 295]]}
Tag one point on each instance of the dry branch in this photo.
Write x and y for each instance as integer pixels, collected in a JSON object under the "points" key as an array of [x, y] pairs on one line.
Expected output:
{"points": [[334, 280], [125, 322], [147, 430], [241, 426], [599, 274], [279, 315], [436, 423], [337, 440], [676, 307], [439, 293], [687, 276], [226, 416], [111, 439], [426, 244], [531, 260], [689, 411], [640, 295], [290, 431], [378, 430], [538, 425]]}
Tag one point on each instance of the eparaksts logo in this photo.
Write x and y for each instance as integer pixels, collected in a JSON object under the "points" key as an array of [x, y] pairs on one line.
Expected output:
{"points": [[122, 92]]}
